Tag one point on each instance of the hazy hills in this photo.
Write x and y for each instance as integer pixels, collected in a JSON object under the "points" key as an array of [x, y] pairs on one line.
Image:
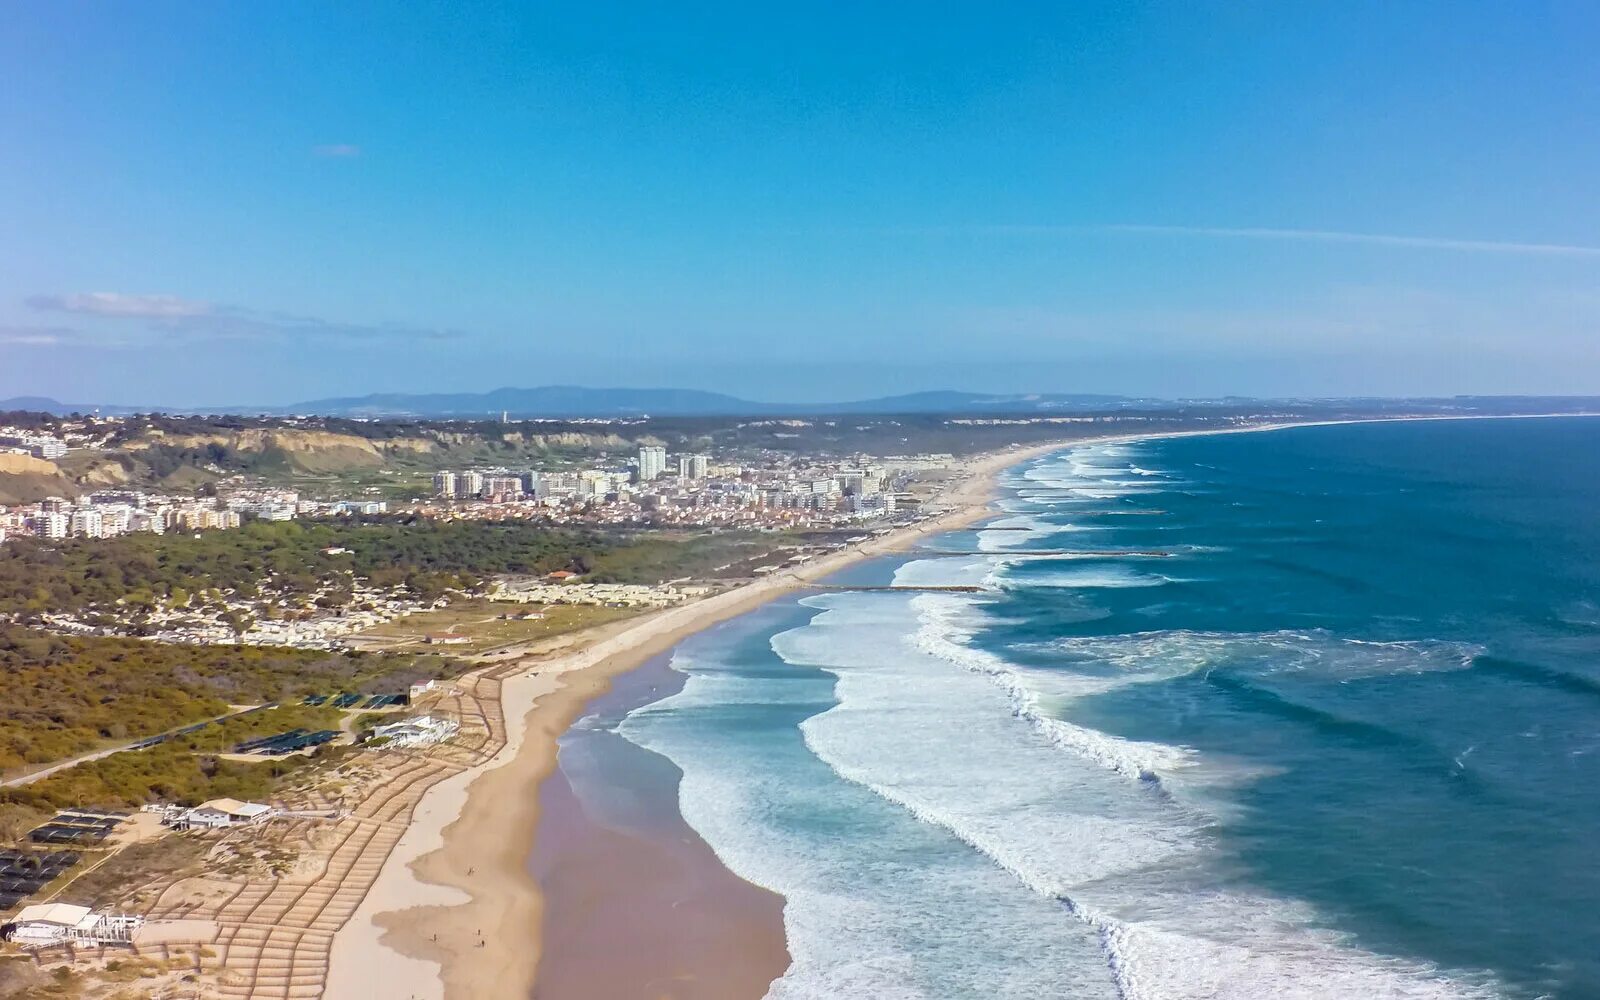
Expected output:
{"points": [[565, 401], [570, 401], [579, 401]]}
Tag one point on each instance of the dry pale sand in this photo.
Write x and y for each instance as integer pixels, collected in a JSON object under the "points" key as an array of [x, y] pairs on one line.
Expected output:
{"points": [[455, 914]]}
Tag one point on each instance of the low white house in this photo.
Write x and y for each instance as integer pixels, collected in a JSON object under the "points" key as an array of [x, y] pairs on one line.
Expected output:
{"points": [[54, 923], [419, 689], [421, 730], [220, 813]]}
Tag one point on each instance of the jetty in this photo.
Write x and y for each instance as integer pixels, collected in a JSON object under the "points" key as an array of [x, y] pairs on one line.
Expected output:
{"points": [[1078, 553], [952, 589]]}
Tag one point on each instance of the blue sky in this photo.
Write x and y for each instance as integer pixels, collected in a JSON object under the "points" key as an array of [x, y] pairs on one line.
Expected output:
{"points": [[253, 203]]}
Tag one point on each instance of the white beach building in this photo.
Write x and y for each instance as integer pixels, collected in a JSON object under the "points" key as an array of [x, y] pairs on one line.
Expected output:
{"points": [[422, 730], [54, 923], [220, 813]]}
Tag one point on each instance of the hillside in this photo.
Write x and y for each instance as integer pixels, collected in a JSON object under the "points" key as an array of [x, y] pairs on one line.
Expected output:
{"points": [[305, 450], [25, 479]]}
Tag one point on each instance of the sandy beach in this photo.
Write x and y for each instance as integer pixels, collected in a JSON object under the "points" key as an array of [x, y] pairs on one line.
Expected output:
{"points": [[637, 904], [456, 912]]}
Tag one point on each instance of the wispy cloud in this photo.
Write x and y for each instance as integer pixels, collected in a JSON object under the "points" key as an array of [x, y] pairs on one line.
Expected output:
{"points": [[38, 336], [1374, 239], [120, 305], [337, 150], [173, 317]]}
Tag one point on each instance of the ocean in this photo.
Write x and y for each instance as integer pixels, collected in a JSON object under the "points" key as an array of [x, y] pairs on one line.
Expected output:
{"points": [[1306, 713]]}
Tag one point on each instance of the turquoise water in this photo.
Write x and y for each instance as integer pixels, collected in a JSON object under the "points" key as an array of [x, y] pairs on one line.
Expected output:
{"points": [[1308, 713]]}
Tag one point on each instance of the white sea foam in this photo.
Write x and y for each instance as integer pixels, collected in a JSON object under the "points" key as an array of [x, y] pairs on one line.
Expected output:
{"points": [[941, 633], [1314, 652], [1011, 852], [1133, 866], [1025, 529], [871, 893], [1093, 472], [1105, 576]]}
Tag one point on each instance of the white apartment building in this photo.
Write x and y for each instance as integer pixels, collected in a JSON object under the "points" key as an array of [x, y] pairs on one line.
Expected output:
{"points": [[652, 462], [115, 519], [86, 523], [37, 445], [360, 507], [558, 484], [693, 467], [502, 486], [469, 484], [444, 484]]}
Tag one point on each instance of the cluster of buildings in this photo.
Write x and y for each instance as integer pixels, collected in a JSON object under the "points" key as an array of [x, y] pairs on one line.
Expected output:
{"points": [[691, 489], [557, 590], [25, 442], [286, 505], [227, 618], [108, 513]]}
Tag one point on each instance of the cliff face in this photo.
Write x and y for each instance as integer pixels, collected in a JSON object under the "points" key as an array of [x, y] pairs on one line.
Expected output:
{"points": [[321, 452], [100, 471], [311, 451], [314, 451], [25, 479], [414, 446]]}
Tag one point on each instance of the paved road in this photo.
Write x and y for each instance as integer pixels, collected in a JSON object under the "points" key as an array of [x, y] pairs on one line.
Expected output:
{"points": [[28, 779]]}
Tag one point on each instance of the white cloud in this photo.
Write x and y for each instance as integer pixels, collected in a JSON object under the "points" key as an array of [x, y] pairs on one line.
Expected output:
{"points": [[1374, 239], [172, 316], [121, 305], [37, 336]]}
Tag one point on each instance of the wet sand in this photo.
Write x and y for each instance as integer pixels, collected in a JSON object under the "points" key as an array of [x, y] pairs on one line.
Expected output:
{"points": [[636, 904]]}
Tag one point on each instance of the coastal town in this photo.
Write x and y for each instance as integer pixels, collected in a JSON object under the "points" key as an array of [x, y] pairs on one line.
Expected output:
{"points": [[773, 494], [387, 752], [687, 490], [651, 489]]}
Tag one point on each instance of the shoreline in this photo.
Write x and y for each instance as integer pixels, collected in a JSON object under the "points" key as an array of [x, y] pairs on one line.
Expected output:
{"points": [[637, 903], [462, 865]]}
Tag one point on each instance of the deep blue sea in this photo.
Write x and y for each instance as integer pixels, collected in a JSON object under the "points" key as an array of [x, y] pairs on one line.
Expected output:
{"points": [[1305, 713]]}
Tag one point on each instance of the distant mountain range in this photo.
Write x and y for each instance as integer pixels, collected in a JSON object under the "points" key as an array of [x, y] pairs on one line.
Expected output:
{"points": [[564, 401], [579, 401], [570, 401]]}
